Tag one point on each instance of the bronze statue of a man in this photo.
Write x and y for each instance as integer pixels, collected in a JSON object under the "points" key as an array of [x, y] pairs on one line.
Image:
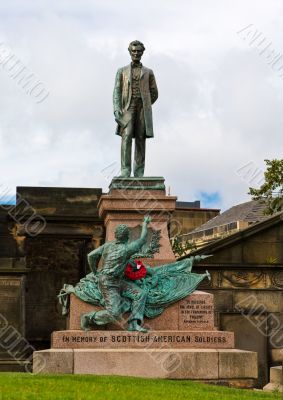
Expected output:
{"points": [[134, 92]]}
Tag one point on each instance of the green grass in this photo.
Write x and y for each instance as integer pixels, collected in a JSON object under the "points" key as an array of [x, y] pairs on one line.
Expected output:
{"points": [[75, 387]]}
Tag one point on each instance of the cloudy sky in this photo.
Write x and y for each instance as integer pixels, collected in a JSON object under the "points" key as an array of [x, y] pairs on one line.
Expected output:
{"points": [[217, 65]]}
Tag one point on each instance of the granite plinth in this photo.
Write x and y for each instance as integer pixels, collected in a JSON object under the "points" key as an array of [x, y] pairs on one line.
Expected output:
{"points": [[207, 365], [195, 312], [53, 361], [78, 339]]}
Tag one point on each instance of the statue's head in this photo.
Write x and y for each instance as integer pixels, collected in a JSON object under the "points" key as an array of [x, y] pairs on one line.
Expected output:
{"points": [[136, 49], [122, 233]]}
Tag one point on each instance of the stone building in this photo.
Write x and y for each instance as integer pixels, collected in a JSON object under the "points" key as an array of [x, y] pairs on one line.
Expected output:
{"points": [[190, 215], [230, 221], [247, 283], [43, 244]]}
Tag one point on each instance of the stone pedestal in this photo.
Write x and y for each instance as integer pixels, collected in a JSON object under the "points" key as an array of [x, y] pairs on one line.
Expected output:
{"points": [[182, 343], [229, 367], [276, 380], [129, 200], [188, 323]]}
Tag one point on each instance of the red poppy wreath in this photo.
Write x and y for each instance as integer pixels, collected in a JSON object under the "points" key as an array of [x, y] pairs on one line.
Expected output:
{"points": [[135, 270]]}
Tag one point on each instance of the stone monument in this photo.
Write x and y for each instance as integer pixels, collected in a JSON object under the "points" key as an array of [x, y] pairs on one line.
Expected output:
{"points": [[276, 380], [138, 313]]}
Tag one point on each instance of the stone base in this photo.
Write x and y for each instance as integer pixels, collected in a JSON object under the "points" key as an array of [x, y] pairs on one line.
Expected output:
{"points": [[194, 312], [276, 380], [276, 375], [229, 367], [144, 183], [53, 361], [146, 341], [273, 387]]}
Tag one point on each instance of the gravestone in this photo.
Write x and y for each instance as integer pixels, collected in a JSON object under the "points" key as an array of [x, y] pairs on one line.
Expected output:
{"points": [[276, 380], [12, 316]]}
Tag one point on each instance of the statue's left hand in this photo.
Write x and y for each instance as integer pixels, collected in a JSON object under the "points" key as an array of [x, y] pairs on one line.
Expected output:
{"points": [[118, 114]]}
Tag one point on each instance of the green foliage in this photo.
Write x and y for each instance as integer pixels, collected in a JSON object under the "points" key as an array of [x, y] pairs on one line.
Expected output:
{"points": [[151, 249], [16, 386], [271, 191], [180, 248]]}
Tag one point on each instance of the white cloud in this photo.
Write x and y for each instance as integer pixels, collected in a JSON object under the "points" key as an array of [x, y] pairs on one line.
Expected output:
{"points": [[219, 107]]}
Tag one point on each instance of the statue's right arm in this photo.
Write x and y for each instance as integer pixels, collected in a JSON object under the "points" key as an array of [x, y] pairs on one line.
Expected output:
{"points": [[117, 94], [93, 258]]}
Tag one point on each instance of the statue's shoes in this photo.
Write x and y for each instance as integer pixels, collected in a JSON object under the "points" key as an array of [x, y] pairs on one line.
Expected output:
{"points": [[137, 328]]}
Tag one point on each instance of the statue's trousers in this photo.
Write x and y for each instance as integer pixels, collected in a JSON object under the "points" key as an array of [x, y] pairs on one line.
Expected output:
{"points": [[114, 290], [134, 129]]}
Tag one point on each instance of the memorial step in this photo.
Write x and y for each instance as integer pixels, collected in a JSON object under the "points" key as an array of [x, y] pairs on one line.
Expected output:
{"points": [[229, 367]]}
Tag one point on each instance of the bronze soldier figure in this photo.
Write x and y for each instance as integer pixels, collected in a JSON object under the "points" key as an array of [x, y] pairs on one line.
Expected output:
{"points": [[112, 283], [134, 92]]}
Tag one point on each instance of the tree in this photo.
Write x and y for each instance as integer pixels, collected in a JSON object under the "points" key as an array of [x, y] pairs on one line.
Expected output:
{"points": [[181, 248], [271, 191]]}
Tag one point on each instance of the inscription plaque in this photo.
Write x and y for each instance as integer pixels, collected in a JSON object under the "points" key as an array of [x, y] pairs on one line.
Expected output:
{"points": [[197, 312], [153, 339], [199, 305]]}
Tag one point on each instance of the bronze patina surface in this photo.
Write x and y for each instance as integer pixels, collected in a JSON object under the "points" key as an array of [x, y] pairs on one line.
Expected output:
{"points": [[134, 92], [109, 288]]}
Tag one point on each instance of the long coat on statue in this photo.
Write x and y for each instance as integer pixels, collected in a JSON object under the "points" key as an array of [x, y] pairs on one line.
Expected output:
{"points": [[123, 92]]}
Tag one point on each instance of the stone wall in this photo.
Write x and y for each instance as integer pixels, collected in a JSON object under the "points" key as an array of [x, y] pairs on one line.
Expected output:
{"points": [[41, 261], [184, 220], [52, 262], [248, 290]]}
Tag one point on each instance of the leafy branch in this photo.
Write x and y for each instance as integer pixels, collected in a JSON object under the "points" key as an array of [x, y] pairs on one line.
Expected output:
{"points": [[180, 248], [271, 191], [152, 248]]}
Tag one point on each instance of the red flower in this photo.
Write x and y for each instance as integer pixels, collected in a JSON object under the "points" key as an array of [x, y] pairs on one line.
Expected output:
{"points": [[135, 271]]}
